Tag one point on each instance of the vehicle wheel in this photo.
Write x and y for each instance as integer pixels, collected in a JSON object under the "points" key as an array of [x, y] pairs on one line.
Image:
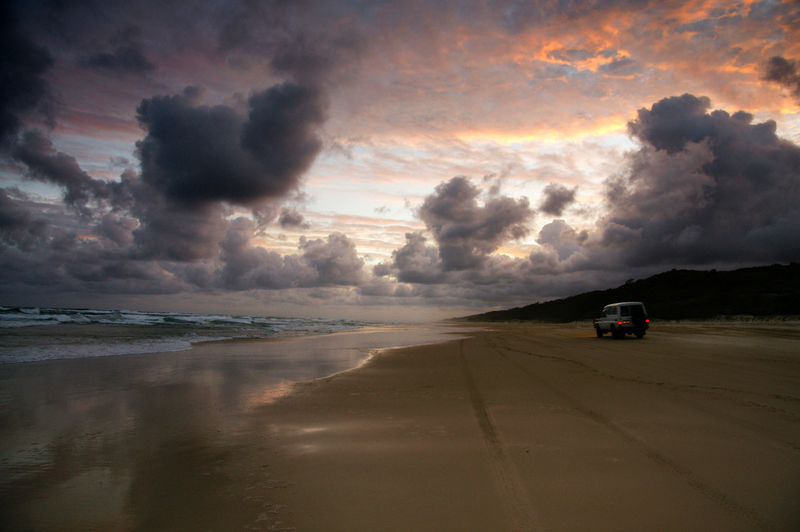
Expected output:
{"points": [[599, 333], [640, 334]]}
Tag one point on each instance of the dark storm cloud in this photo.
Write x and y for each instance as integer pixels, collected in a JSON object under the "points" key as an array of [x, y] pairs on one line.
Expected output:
{"points": [[28, 226], [195, 159], [281, 132], [126, 59], [704, 187], [335, 260], [415, 262], [177, 233], [247, 267], [290, 218], [331, 262], [171, 226], [12, 217], [198, 154], [23, 87], [166, 251], [673, 122], [500, 279], [557, 198], [466, 232], [784, 72], [20, 229], [48, 250], [46, 164], [117, 229]]}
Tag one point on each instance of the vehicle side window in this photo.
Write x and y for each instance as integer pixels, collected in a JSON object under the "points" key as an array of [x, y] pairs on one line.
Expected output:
{"points": [[626, 310]]}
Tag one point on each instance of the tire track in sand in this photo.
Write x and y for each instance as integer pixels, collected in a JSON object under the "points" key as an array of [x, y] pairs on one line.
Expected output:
{"points": [[517, 506], [687, 475]]}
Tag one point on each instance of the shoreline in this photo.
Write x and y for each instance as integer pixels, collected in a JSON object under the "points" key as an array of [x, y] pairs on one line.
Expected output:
{"points": [[77, 337], [472, 461], [507, 427]]}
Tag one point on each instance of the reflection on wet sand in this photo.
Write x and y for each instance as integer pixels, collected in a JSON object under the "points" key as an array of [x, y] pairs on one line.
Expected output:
{"points": [[144, 442]]}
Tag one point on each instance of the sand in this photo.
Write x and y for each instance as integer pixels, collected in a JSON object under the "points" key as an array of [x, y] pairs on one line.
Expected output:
{"points": [[517, 427]]}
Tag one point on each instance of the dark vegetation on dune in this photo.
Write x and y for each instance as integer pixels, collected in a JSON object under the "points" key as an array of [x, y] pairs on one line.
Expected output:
{"points": [[679, 295]]}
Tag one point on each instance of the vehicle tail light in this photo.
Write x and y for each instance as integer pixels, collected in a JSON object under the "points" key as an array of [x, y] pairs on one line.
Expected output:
{"points": [[619, 323], [647, 320]]}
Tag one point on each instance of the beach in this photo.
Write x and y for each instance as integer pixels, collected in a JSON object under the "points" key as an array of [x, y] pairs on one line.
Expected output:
{"points": [[502, 427]]}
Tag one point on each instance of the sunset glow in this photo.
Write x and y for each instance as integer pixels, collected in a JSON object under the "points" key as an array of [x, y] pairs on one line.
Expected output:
{"points": [[394, 160]]}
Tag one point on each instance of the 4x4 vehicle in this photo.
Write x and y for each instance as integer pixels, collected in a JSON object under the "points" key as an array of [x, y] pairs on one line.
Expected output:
{"points": [[622, 318]]}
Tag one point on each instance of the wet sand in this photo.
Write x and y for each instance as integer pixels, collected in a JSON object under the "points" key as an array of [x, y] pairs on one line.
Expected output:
{"points": [[521, 427]]}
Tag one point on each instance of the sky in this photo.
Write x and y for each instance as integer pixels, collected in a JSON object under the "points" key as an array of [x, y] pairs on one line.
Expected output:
{"points": [[396, 160]]}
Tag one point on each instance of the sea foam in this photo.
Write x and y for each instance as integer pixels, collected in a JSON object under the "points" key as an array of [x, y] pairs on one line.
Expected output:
{"points": [[32, 334]]}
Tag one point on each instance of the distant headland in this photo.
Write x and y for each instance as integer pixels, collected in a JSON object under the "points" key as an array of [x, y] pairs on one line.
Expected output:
{"points": [[764, 291]]}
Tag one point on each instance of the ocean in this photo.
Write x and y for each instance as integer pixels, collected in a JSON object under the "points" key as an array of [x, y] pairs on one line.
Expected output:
{"points": [[36, 334]]}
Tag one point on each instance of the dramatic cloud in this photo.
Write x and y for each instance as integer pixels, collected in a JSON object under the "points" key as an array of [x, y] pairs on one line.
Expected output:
{"points": [[170, 252], [334, 260], [290, 218], [23, 87], [198, 154], [281, 133], [117, 229], [331, 262], [356, 114], [171, 224], [561, 238], [704, 187], [46, 164], [673, 122], [196, 159], [177, 233], [49, 251], [126, 59], [415, 262], [785, 73], [466, 232], [11, 216], [557, 198]]}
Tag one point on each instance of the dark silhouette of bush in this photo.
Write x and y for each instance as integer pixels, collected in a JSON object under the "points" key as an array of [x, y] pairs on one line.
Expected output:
{"points": [[678, 295]]}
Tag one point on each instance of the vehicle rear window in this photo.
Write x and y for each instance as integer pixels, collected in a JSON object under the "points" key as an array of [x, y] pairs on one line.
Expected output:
{"points": [[637, 311]]}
